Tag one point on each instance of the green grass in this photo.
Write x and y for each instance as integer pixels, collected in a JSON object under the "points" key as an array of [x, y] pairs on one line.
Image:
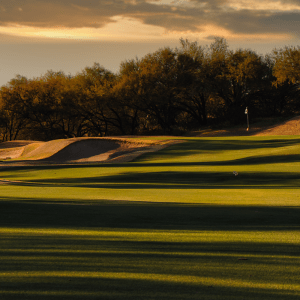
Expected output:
{"points": [[176, 224]]}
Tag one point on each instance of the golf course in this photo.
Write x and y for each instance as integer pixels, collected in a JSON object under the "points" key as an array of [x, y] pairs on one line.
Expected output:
{"points": [[161, 218]]}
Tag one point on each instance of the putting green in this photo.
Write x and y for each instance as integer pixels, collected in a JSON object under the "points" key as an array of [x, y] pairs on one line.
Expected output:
{"points": [[175, 224]]}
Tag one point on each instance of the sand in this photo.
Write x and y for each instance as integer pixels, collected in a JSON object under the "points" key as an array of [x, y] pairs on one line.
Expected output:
{"points": [[112, 150], [77, 150]]}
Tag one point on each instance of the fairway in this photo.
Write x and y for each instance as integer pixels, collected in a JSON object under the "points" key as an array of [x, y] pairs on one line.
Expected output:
{"points": [[178, 223]]}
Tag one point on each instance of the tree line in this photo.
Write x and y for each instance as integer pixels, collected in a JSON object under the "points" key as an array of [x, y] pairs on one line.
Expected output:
{"points": [[169, 91]]}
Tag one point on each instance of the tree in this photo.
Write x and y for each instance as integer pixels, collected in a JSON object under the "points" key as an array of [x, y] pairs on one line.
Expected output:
{"points": [[128, 97], [92, 87], [242, 78], [43, 98], [286, 70], [13, 109], [193, 84], [158, 78], [287, 65]]}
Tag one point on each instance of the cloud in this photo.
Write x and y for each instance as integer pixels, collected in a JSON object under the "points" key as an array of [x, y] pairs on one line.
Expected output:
{"points": [[249, 22], [234, 16], [54, 13]]}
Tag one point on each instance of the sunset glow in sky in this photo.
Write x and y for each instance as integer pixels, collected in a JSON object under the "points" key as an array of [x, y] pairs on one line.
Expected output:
{"points": [[68, 35]]}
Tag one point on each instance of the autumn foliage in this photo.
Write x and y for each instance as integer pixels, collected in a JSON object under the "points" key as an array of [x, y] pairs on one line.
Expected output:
{"points": [[169, 91]]}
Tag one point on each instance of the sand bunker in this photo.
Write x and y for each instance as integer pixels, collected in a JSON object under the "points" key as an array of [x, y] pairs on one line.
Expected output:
{"points": [[112, 150], [77, 150]]}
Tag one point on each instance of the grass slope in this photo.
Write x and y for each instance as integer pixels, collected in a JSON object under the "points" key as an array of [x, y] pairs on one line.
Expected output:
{"points": [[176, 224]]}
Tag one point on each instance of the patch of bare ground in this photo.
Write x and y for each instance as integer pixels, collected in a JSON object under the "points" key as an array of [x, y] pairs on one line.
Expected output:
{"points": [[265, 128], [289, 127]]}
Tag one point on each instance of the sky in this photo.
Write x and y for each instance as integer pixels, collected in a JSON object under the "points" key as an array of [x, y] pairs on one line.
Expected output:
{"points": [[69, 35]]}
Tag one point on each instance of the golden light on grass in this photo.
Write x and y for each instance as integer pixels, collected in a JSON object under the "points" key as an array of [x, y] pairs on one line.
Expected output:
{"points": [[180, 279], [195, 267], [183, 236], [238, 239]]}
